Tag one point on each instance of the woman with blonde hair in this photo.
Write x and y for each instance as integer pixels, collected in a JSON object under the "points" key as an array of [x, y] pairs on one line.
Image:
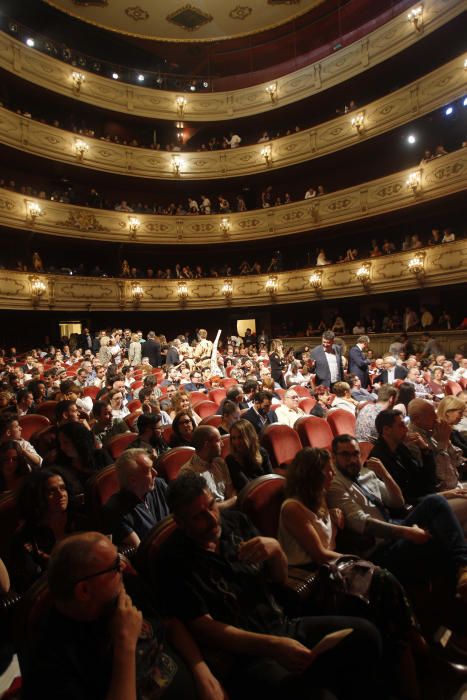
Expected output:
{"points": [[276, 362], [134, 351], [181, 402], [452, 409], [105, 355], [247, 459]]}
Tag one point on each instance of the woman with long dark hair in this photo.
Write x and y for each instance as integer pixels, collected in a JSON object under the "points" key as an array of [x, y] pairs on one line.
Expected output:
{"points": [[183, 426], [276, 362], [45, 503], [13, 466], [247, 460], [77, 452]]}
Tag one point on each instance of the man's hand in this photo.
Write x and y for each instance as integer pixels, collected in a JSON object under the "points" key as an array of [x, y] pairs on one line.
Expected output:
{"points": [[415, 534], [417, 439], [377, 467], [207, 685], [126, 623], [258, 549], [454, 493], [442, 433], [291, 654]]}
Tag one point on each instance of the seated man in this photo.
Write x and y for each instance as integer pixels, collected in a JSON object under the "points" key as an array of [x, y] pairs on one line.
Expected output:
{"points": [[365, 430], [10, 429], [106, 426], [358, 392], [429, 540], [93, 644], [150, 434], [66, 411], [140, 503], [214, 573], [260, 414], [208, 462], [289, 412]]}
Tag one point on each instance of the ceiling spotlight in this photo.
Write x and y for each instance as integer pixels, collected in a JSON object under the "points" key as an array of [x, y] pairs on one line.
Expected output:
{"points": [[448, 111], [192, 88], [464, 102], [141, 78], [205, 84], [411, 139], [30, 42], [115, 76]]}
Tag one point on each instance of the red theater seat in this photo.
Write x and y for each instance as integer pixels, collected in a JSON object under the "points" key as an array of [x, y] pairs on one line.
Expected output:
{"points": [[314, 432], [282, 444], [32, 423], [170, 463], [261, 501], [118, 444], [341, 422]]}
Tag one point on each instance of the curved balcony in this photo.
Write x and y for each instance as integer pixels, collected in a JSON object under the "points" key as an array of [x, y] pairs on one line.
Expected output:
{"points": [[443, 85], [430, 267], [438, 178], [386, 41]]}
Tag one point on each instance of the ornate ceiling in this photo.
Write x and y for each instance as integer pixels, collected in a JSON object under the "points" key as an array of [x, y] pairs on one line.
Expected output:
{"points": [[179, 21]]}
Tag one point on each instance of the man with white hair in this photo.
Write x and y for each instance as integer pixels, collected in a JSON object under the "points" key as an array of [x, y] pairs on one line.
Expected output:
{"points": [[289, 412], [391, 371], [140, 502]]}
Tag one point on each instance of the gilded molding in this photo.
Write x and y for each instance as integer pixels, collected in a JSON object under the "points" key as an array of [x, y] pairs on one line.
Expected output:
{"points": [[439, 178], [447, 83], [444, 264], [376, 47]]}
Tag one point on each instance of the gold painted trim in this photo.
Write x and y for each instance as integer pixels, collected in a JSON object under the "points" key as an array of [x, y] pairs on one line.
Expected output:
{"points": [[440, 178], [106, 93], [444, 264], [443, 85], [169, 40]]}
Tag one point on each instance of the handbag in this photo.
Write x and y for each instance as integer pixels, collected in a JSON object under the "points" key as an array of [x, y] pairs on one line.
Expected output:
{"points": [[346, 580]]}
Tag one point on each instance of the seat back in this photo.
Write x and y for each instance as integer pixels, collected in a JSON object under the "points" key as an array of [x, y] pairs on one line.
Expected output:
{"points": [[341, 422], [167, 433], [149, 548], [282, 443], [452, 388], [228, 382], [314, 432], [301, 391], [119, 443], [99, 488], [134, 405], [32, 423], [9, 521], [170, 463], [307, 404], [47, 409], [197, 396], [365, 449], [261, 501], [205, 408], [91, 391], [217, 395], [214, 420], [45, 440], [131, 418]]}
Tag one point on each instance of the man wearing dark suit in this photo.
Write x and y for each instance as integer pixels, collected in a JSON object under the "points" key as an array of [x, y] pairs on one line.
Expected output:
{"points": [[85, 340], [152, 350], [173, 356], [391, 371], [328, 361], [260, 414], [358, 363]]}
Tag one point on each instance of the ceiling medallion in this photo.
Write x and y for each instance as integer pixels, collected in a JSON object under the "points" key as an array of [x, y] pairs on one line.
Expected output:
{"points": [[240, 12], [93, 3], [136, 13], [189, 18]]}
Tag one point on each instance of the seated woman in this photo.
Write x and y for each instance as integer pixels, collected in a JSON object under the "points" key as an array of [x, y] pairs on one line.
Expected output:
{"points": [[45, 503], [451, 409], [116, 404], [437, 382], [181, 402], [247, 460], [230, 415], [77, 453], [13, 466], [405, 394], [307, 533], [183, 426], [323, 401]]}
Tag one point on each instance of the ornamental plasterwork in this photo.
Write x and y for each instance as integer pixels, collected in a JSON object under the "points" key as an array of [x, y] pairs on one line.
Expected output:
{"points": [[444, 264], [434, 90], [189, 17], [352, 204], [240, 12], [137, 13], [395, 36]]}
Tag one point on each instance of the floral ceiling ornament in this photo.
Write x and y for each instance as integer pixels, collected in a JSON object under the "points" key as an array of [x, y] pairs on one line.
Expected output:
{"points": [[137, 13], [240, 12], [189, 18]]}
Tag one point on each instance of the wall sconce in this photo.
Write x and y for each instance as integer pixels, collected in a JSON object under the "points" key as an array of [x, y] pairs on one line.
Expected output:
{"points": [[177, 164], [137, 293], [465, 63], [272, 285], [225, 226], [38, 289], [272, 92], [227, 289], [133, 225], [182, 291], [316, 280], [414, 182], [81, 147], [266, 153], [33, 210], [180, 104], [415, 17], [416, 265], [357, 122], [363, 274], [78, 79]]}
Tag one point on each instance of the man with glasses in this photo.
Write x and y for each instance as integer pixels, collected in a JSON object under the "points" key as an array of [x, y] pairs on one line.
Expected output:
{"points": [[260, 414], [94, 644], [195, 383], [289, 412], [429, 540]]}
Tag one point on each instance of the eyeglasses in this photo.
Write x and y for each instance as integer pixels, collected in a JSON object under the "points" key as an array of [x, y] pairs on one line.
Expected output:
{"points": [[118, 565], [292, 396], [185, 422], [348, 455]]}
